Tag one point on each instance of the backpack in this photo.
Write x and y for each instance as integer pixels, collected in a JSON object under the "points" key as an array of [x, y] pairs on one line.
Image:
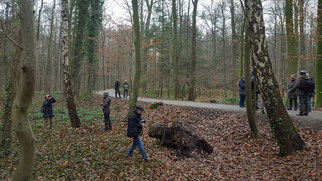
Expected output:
{"points": [[309, 86]]}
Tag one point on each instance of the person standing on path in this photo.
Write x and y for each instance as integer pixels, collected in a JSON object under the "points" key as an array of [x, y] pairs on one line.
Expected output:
{"points": [[292, 95], [117, 89], [47, 110], [134, 129], [302, 86], [242, 89], [107, 110], [126, 87], [311, 92]]}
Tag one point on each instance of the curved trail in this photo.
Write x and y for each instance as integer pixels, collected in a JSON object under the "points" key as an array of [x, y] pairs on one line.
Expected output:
{"points": [[314, 120]]}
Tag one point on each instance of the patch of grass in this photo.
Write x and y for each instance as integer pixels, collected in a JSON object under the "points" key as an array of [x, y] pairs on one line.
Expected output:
{"points": [[230, 100]]}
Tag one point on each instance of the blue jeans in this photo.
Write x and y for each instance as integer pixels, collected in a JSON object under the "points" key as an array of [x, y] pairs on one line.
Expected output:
{"points": [[117, 91], [125, 93], [137, 142], [295, 103], [309, 104]]}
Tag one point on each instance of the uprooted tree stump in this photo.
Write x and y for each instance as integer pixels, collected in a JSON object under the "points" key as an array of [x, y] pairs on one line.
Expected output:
{"points": [[180, 137]]}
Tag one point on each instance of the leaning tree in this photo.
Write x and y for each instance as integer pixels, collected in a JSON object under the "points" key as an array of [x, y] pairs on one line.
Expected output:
{"points": [[282, 126]]}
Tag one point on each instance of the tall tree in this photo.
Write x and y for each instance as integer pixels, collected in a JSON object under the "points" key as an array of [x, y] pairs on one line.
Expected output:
{"points": [[137, 44], [234, 50], [175, 56], [25, 93], [10, 94], [302, 35], [192, 81], [74, 119], [94, 26], [281, 124], [318, 64], [78, 44], [49, 50], [291, 39], [254, 132]]}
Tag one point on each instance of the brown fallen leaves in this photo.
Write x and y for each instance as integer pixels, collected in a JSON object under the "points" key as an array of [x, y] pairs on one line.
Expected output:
{"points": [[89, 153]]}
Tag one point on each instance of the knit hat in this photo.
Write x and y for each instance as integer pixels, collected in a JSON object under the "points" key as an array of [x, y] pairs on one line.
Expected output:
{"points": [[139, 108]]}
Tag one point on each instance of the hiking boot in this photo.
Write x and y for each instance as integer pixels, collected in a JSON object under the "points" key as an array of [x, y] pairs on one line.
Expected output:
{"points": [[300, 114]]}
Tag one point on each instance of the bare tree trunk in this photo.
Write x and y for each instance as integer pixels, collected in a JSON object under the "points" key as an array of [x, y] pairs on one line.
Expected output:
{"points": [[10, 93], [303, 64], [291, 39], [48, 82], [254, 132], [234, 52], [25, 93], [74, 119], [192, 96], [282, 126], [137, 44], [39, 15], [175, 56]]}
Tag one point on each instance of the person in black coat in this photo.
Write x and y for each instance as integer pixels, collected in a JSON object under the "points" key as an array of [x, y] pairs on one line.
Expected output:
{"points": [[107, 110], [117, 89], [47, 110], [292, 95], [134, 129], [242, 92]]}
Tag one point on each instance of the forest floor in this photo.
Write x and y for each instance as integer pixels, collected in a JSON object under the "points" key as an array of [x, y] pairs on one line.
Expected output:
{"points": [[89, 153], [314, 120]]}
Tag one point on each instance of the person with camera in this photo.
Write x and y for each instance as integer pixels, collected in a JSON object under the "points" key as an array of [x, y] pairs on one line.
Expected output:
{"points": [[107, 110], [134, 128], [47, 110]]}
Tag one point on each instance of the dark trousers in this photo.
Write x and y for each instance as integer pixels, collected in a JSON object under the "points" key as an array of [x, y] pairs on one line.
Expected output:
{"points": [[242, 100], [107, 121], [125, 93], [294, 100], [304, 107], [117, 91]]}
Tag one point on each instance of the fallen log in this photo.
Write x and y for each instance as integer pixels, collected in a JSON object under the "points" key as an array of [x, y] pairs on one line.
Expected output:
{"points": [[180, 137]]}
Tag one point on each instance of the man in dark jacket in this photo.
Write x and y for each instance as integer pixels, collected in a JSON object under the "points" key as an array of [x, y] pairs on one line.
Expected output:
{"points": [[134, 129], [107, 110], [242, 95], [292, 95], [47, 110], [302, 92], [117, 89]]}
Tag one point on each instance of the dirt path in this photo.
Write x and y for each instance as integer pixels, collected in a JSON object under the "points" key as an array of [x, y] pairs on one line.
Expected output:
{"points": [[314, 120]]}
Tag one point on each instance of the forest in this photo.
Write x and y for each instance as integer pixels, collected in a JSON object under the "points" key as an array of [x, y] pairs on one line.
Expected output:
{"points": [[217, 89]]}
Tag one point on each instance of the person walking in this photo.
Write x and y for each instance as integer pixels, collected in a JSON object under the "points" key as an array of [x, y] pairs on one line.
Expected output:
{"points": [[134, 129], [302, 86], [242, 93], [107, 110], [292, 95], [126, 87], [117, 89], [47, 110]]}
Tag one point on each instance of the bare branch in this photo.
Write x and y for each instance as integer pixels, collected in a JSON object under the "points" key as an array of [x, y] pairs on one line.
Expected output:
{"points": [[12, 40]]}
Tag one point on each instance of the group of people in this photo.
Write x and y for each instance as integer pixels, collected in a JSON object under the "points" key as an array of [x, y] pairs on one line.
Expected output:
{"points": [[125, 86], [135, 121], [303, 87]]}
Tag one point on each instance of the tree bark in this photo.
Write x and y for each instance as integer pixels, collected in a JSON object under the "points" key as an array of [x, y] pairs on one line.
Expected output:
{"points": [[25, 93], [318, 64], [137, 44], [303, 64], [192, 96], [74, 119], [175, 56], [282, 126], [292, 60], [234, 50], [254, 132], [10, 94]]}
